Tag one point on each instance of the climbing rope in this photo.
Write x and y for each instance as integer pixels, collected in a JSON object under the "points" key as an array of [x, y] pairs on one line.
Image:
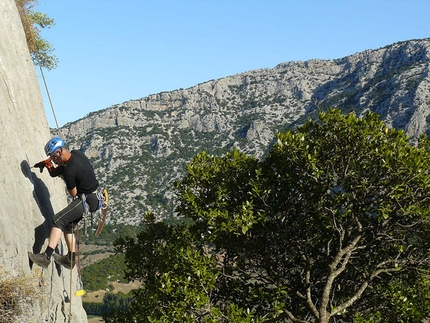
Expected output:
{"points": [[79, 285], [50, 296], [49, 95], [71, 271]]}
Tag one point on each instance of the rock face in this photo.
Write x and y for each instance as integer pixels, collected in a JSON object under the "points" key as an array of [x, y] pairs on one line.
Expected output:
{"points": [[140, 146], [28, 199]]}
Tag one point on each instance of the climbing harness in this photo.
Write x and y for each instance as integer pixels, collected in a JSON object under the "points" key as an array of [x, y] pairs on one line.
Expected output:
{"points": [[103, 209], [101, 212]]}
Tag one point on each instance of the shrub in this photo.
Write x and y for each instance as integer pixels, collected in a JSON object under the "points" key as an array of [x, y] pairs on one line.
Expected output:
{"points": [[16, 294]]}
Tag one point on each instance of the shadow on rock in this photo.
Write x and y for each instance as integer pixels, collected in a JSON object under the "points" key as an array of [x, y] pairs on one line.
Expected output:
{"points": [[42, 197]]}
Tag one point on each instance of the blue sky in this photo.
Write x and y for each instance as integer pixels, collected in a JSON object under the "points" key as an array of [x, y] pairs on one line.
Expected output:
{"points": [[112, 51]]}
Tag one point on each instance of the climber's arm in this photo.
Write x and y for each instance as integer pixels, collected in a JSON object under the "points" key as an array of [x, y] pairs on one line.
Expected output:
{"points": [[73, 192], [53, 171]]}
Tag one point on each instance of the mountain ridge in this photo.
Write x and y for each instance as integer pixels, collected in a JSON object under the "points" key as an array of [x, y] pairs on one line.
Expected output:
{"points": [[139, 147]]}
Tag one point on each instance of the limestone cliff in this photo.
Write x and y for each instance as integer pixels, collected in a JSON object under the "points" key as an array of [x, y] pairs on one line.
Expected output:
{"points": [[139, 147], [28, 199]]}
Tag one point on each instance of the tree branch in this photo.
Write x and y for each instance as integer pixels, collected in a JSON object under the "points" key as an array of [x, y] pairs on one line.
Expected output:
{"points": [[285, 314], [309, 302], [361, 290], [342, 257]]}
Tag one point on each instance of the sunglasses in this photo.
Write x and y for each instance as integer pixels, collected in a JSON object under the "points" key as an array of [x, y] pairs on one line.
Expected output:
{"points": [[57, 154]]}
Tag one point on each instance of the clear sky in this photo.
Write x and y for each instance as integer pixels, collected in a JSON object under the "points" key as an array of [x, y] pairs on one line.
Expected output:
{"points": [[112, 51]]}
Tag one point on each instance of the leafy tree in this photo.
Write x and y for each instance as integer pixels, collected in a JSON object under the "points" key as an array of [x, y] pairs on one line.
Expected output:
{"points": [[332, 225], [173, 272], [351, 197], [40, 49], [410, 302]]}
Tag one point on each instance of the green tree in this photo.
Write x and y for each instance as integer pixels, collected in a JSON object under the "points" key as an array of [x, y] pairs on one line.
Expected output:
{"points": [[409, 302], [173, 272], [332, 225], [33, 21]]}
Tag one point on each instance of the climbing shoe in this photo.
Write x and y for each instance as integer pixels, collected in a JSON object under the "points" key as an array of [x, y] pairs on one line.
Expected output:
{"points": [[41, 259], [64, 261]]}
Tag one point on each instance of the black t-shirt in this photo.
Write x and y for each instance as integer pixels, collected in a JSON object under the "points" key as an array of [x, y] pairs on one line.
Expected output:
{"points": [[79, 173]]}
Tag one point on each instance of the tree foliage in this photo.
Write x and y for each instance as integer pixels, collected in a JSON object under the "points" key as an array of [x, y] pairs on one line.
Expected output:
{"points": [[332, 225], [41, 50]]}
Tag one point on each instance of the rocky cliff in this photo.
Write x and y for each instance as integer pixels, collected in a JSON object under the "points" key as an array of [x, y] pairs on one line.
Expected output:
{"points": [[28, 199], [141, 146]]}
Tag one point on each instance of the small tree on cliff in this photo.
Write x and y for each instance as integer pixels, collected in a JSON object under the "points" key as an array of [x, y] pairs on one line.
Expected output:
{"points": [[330, 226], [40, 49]]}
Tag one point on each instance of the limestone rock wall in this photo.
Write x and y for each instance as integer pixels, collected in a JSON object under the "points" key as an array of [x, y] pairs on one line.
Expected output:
{"points": [[28, 199], [139, 147]]}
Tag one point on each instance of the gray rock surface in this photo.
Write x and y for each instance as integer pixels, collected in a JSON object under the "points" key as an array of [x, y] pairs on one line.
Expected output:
{"points": [[140, 146], [28, 199]]}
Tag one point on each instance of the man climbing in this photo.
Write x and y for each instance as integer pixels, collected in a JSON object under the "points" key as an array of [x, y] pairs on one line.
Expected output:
{"points": [[81, 182]]}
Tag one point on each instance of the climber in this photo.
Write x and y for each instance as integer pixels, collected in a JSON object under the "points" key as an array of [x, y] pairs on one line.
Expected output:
{"points": [[81, 182]]}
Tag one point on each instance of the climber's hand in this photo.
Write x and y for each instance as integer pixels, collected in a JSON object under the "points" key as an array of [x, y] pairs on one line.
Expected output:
{"points": [[40, 165], [44, 163]]}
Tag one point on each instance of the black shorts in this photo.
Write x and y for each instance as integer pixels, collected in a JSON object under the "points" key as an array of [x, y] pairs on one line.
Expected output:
{"points": [[72, 213]]}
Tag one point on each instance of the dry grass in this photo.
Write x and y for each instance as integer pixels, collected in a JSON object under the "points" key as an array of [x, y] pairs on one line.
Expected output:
{"points": [[30, 31], [95, 320], [97, 296], [16, 295]]}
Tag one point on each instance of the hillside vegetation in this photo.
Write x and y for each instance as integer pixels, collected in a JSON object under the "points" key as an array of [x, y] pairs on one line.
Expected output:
{"points": [[140, 147]]}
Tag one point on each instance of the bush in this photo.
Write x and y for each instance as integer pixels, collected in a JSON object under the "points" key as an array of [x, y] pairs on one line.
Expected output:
{"points": [[16, 294]]}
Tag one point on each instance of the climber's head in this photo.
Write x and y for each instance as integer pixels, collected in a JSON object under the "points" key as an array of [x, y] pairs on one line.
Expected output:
{"points": [[52, 147]]}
